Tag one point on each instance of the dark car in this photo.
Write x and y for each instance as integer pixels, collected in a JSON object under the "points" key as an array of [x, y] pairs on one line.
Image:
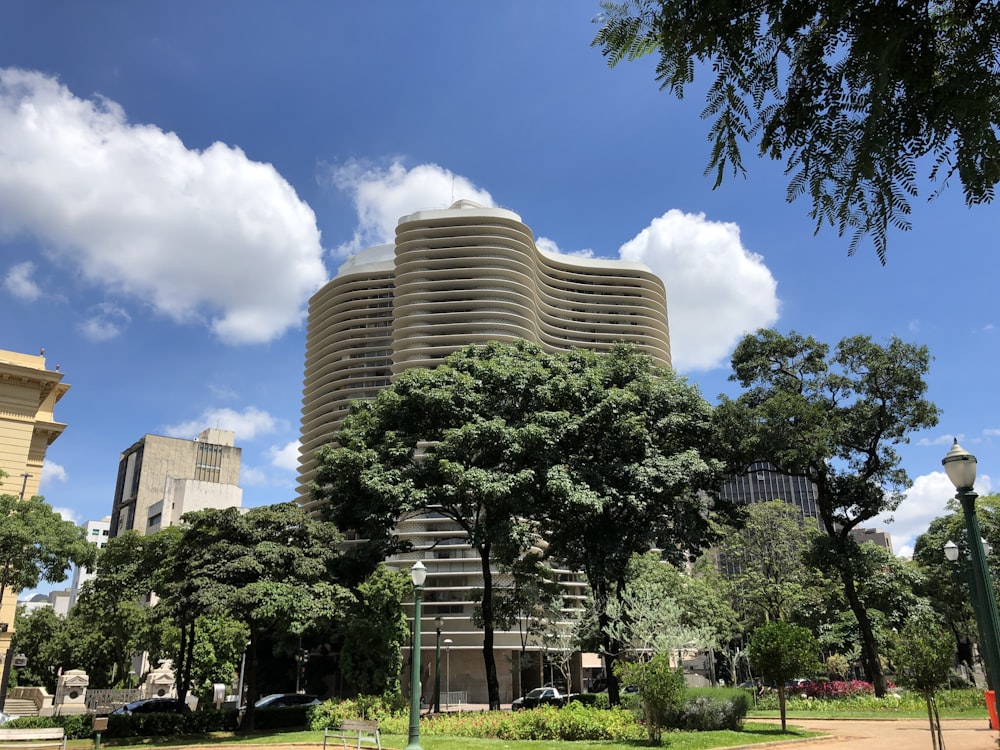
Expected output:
{"points": [[543, 696], [283, 700], [154, 706]]}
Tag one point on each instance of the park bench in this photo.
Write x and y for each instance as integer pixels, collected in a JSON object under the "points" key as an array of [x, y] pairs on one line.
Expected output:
{"points": [[364, 731], [20, 739]]}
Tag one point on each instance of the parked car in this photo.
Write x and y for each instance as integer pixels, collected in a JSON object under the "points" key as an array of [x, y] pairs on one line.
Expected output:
{"points": [[283, 700], [543, 696], [154, 706], [4, 718]]}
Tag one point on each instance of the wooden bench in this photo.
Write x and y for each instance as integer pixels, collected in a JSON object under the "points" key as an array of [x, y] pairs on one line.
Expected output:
{"points": [[365, 731], [33, 738]]}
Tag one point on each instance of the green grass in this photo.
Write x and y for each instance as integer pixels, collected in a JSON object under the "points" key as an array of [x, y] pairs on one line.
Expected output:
{"points": [[752, 733]]}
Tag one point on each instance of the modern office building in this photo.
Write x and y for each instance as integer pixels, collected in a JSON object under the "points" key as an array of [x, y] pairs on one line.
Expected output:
{"points": [[458, 276], [162, 478], [98, 533], [763, 482], [29, 392], [877, 537]]}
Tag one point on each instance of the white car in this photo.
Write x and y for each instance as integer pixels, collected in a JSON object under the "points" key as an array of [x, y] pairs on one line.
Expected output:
{"points": [[4, 718]]}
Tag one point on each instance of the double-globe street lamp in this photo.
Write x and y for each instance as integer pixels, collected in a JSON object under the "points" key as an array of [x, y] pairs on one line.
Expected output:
{"points": [[418, 574], [960, 465]]}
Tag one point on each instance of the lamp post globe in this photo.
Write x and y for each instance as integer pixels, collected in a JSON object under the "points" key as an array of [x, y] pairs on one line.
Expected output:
{"points": [[418, 574]]}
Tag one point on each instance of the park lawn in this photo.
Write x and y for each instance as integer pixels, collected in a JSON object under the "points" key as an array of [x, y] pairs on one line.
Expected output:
{"points": [[752, 733]]}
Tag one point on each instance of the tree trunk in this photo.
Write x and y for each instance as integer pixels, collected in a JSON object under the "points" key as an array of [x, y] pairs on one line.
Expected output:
{"points": [[182, 652], [869, 648], [188, 662], [247, 725], [781, 706], [486, 607]]}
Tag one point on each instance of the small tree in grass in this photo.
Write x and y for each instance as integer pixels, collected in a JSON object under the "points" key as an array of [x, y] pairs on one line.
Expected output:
{"points": [[923, 654], [661, 688], [781, 652]]}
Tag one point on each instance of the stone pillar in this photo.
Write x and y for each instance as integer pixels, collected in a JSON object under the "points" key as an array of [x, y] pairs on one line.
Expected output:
{"points": [[71, 692]]}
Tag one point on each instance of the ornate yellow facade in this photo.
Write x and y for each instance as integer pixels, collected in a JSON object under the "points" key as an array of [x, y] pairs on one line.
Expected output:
{"points": [[29, 392]]}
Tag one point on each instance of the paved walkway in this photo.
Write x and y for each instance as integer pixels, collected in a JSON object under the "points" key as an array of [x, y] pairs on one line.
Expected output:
{"points": [[893, 734]]}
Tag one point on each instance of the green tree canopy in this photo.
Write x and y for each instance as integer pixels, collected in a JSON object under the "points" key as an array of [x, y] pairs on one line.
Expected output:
{"points": [[781, 652], [767, 556], [923, 653], [36, 544], [850, 95], [835, 419], [272, 568]]}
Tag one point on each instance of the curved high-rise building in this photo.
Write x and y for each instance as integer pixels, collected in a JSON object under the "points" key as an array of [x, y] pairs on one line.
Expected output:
{"points": [[458, 276]]}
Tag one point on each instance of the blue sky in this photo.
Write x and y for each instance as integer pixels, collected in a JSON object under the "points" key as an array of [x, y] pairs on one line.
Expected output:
{"points": [[177, 178]]}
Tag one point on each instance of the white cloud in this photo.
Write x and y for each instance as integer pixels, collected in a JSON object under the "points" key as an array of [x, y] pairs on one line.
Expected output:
{"points": [[251, 476], [717, 290], [286, 457], [942, 440], [52, 472], [382, 195], [105, 322], [550, 246], [18, 281], [247, 424], [198, 235], [68, 514], [926, 500]]}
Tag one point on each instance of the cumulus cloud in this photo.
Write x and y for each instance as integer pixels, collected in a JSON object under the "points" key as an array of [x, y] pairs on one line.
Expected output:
{"points": [[549, 246], [382, 195], [926, 500], [68, 514], [250, 476], [717, 290], [19, 282], [941, 440], [247, 424], [105, 322], [52, 472], [198, 235], [286, 457]]}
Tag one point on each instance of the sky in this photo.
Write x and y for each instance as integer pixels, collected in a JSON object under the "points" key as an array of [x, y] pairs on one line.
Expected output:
{"points": [[176, 179]]}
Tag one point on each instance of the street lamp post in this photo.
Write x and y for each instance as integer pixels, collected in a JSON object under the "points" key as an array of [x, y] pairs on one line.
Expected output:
{"points": [[960, 465], [447, 674], [438, 624], [418, 574]]}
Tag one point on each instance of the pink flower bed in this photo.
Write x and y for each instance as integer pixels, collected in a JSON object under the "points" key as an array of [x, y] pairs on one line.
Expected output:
{"points": [[838, 689]]}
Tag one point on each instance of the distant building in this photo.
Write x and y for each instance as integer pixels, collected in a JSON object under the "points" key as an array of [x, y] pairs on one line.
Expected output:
{"points": [[762, 482], [97, 534], [57, 600], [875, 536], [162, 478], [28, 396]]}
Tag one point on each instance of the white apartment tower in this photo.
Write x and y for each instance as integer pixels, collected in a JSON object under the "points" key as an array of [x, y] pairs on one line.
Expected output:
{"points": [[458, 276]]}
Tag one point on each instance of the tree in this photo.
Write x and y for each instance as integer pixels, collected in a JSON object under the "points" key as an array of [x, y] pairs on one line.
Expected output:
{"points": [[465, 441], [850, 95], [37, 544], [272, 568], [770, 576], [661, 687], [631, 467], [781, 652], [923, 655], [36, 635], [374, 633], [836, 420]]}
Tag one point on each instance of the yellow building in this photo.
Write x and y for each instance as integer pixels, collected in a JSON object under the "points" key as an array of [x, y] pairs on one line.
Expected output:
{"points": [[28, 396]]}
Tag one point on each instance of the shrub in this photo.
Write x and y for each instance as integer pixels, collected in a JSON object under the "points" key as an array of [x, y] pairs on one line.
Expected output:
{"points": [[709, 710], [283, 717], [76, 726], [837, 689], [380, 708]]}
